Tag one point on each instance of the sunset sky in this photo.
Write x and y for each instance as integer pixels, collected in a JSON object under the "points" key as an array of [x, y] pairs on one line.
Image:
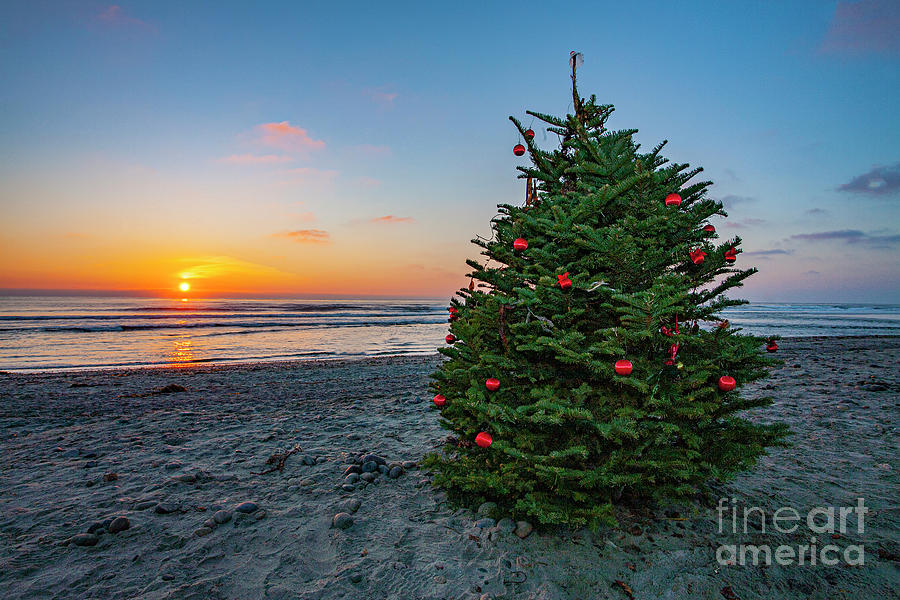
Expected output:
{"points": [[356, 148]]}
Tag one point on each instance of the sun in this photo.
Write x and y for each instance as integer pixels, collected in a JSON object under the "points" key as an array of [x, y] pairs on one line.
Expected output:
{"points": [[184, 286]]}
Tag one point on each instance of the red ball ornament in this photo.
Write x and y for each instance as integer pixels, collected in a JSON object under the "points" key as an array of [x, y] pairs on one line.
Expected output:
{"points": [[709, 229], [520, 244], [698, 256], [492, 384], [673, 200], [440, 400], [772, 347], [529, 133], [564, 281], [518, 149], [484, 439], [450, 338], [731, 255], [727, 383], [623, 367]]}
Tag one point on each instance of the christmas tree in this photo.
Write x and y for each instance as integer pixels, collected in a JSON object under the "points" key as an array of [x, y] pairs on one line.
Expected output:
{"points": [[577, 370]]}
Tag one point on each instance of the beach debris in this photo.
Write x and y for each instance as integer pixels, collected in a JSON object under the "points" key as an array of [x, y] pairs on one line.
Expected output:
{"points": [[342, 520], [278, 459], [222, 516], [110, 477], [84, 539], [118, 525], [624, 587], [523, 529], [247, 507]]}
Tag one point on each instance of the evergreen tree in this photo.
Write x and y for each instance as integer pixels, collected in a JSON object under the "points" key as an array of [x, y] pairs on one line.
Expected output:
{"points": [[615, 269]]}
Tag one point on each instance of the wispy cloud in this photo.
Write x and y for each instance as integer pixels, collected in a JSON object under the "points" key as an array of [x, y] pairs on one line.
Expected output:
{"points": [[287, 137], [863, 27], [388, 219], [750, 222], [774, 252], [383, 96], [731, 201], [255, 159], [114, 16], [880, 181], [305, 236], [207, 267], [851, 236]]}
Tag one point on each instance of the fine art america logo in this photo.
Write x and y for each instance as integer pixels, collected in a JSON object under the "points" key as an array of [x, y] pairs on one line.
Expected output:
{"points": [[820, 525]]}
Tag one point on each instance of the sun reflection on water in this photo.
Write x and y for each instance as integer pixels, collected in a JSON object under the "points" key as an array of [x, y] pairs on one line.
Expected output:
{"points": [[182, 351]]}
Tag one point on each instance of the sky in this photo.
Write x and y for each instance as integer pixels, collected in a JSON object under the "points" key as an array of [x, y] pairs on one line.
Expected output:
{"points": [[288, 148]]}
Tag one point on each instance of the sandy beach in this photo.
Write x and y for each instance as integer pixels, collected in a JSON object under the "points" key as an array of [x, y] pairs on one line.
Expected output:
{"points": [[181, 454]]}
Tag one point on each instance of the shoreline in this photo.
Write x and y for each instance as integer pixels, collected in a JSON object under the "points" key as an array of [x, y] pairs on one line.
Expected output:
{"points": [[284, 363], [81, 448]]}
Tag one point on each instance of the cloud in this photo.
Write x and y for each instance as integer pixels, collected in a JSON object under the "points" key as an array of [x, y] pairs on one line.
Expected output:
{"points": [[768, 252], [114, 16], [206, 267], [285, 136], [387, 219], [731, 200], [255, 159], [305, 236], [383, 96], [816, 212], [880, 181], [372, 150], [863, 27], [851, 236], [744, 223]]}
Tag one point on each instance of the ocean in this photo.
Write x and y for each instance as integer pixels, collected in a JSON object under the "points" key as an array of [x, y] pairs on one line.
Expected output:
{"points": [[52, 333]]}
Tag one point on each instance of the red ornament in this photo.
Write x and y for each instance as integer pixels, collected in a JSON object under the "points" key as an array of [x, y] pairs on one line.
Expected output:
{"points": [[529, 133], [520, 244], [564, 281], [731, 255], [450, 338], [673, 199], [484, 439], [623, 367], [727, 383], [518, 149], [493, 384], [440, 400], [666, 331], [709, 229], [698, 256], [454, 314], [772, 346]]}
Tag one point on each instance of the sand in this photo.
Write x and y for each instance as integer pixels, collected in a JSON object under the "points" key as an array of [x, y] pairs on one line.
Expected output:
{"points": [[180, 457]]}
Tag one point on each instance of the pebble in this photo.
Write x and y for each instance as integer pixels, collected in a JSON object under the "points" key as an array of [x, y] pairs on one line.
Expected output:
{"points": [[342, 520], [506, 525], [186, 478], [85, 539], [485, 523], [210, 523], [487, 509], [523, 529], [202, 531], [308, 460], [352, 436], [351, 505], [119, 524], [222, 516], [409, 464], [172, 466], [370, 477], [165, 508], [247, 507], [348, 487], [369, 466], [145, 505], [383, 469], [352, 469], [374, 458], [99, 526], [353, 477], [356, 577], [110, 476], [395, 472]]}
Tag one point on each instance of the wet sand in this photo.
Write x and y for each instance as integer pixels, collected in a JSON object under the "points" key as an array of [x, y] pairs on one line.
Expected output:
{"points": [[80, 448]]}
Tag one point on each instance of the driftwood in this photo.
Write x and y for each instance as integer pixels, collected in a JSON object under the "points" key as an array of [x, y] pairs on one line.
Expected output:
{"points": [[277, 459]]}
